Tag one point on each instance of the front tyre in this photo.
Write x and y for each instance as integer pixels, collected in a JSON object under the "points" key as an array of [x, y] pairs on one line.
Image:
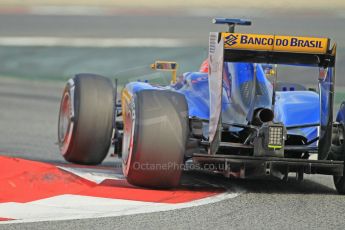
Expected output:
{"points": [[85, 119], [155, 136]]}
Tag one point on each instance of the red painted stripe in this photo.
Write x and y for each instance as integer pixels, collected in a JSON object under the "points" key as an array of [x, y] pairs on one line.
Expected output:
{"points": [[120, 189], [25, 181], [12, 167], [5, 219], [14, 10]]}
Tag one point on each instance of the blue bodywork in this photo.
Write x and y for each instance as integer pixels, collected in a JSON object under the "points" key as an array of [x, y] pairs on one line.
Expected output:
{"points": [[341, 114], [245, 88]]}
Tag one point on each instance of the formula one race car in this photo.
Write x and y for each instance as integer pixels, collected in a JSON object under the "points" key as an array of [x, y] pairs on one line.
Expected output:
{"points": [[235, 119]]}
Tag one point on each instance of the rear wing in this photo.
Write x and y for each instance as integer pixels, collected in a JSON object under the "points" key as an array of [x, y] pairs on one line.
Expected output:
{"points": [[276, 49], [273, 49]]}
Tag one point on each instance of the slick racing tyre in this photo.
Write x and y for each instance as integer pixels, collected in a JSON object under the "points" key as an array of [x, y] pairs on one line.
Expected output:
{"points": [[86, 119], [338, 149], [337, 153], [155, 136]]}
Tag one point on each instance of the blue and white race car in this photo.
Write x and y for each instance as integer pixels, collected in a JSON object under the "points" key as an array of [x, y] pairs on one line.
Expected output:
{"points": [[234, 117]]}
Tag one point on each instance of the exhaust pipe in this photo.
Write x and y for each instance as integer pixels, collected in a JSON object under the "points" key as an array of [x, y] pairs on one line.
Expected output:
{"points": [[262, 115]]}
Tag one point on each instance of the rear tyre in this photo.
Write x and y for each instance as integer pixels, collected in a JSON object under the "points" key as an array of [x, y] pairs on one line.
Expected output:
{"points": [[338, 153], [85, 119], [155, 137]]}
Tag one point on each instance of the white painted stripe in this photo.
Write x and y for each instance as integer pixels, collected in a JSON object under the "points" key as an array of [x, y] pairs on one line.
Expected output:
{"points": [[104, 11], [234, 12], [67, 207], [94, 42], [70, 10], [95, 175], [79, 10], [24, 212], [340, 13]]}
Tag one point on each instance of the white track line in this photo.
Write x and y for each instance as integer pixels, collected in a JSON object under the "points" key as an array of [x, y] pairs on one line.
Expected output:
{"points": [[94, 42], [68, 207], [116, 11], [70, 10], [97, 176]]}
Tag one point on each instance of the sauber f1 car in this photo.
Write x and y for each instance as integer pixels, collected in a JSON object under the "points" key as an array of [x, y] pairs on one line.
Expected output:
{"points": [[236, 118]]}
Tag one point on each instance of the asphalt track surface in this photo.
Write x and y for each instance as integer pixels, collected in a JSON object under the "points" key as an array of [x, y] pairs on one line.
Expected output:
{"points": [[28, 127]]}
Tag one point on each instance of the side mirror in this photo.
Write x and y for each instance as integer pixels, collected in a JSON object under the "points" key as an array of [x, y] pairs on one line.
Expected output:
{"points": [[269, 70], [166, 66], [323, 74]]}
